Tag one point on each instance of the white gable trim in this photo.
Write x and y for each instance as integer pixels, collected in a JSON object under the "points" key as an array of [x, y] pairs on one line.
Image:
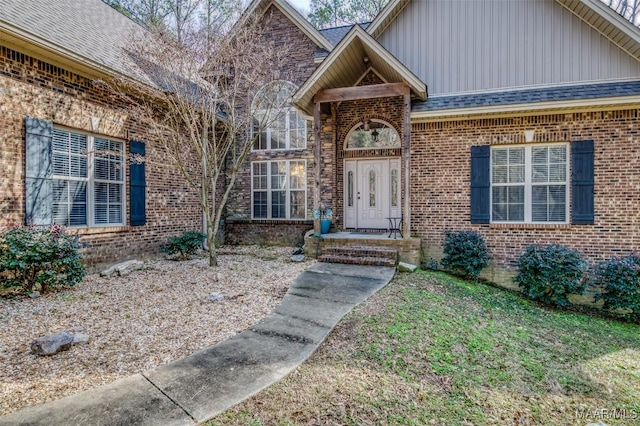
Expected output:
{"points": [[294, 16], [532, 108]]}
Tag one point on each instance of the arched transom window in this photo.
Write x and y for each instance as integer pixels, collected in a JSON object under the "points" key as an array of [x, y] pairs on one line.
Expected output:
{"points": [[277, 122], [372, 133]]}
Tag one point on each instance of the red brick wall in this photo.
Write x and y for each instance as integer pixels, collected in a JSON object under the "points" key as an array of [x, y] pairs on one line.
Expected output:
{"points": [[30, 87], [440, 182]]}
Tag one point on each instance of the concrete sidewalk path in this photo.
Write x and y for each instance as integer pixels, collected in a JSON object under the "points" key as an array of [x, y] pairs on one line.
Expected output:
{"points": [[196, 388]]}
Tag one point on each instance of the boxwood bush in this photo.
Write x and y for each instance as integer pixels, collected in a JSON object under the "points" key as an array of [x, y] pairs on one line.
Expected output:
{"points": [[43, 258], [619, 278], [186, 244], [550, 273], [465, 253]]}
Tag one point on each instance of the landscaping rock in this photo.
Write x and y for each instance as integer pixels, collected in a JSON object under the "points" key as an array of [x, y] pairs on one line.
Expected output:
{"points": [[298, 258], [80, 338], [52, 343], [123, 268], [215, 297], [34, 294], [406, 267]]}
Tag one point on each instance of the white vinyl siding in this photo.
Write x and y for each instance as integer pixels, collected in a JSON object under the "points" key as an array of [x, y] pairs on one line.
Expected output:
{"points": [[88, 179], [278, 189], [463, 46], [529, 184]]}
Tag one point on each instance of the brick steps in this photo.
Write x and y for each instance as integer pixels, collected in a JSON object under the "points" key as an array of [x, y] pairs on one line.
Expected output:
{"points": [[360, 255]]}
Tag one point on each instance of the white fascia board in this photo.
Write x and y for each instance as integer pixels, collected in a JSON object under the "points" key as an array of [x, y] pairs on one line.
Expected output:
{"points": [[56, 49], [539, 106]]}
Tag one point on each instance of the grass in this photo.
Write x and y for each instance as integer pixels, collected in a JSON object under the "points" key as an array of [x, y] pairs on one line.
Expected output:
{"points": [[432, 349]]}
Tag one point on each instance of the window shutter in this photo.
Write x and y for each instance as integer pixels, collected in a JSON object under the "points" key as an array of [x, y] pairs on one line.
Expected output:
{"points": [[480, 183], [137, 184], [582, 181], [38, 172]]}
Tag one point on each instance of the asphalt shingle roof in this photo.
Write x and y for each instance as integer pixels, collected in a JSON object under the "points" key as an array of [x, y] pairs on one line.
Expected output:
{"points": [[88, 28], [533, 95], [335, 34]]}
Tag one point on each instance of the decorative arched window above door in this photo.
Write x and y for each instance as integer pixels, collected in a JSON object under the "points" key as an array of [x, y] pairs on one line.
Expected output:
{"points": [[372, 133]]}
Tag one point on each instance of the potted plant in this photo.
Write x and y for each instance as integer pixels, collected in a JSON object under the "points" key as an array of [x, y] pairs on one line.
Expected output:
{"points": [[325, 215]]}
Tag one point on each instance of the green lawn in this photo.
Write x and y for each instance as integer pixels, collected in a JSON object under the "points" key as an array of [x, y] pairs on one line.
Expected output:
{"points": [[431, 349]]}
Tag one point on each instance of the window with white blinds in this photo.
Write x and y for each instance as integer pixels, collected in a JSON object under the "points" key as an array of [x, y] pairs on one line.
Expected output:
{"points": [[529, 183], [88, 179]]}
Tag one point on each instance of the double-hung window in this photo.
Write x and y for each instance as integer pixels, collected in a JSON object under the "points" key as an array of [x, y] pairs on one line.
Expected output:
{"points": [[279, 189], [529, 183], [88, 179]]}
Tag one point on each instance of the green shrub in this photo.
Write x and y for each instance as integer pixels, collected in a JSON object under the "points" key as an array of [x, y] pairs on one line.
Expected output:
{"points": [[465, 253], [550, 273], [39, 257], [620, 281], [186, 244]]}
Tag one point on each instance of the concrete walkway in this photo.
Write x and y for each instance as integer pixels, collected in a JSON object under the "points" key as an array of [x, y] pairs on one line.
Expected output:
{"points": [[196, 388]]}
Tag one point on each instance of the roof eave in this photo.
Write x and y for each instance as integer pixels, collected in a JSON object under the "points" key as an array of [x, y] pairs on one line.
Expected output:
{"points": [[617, 102], [611, 16], [385, 17], [294, 16]]}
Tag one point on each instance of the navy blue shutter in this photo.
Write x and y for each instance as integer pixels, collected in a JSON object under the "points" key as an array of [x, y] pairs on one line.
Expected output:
{"points": [[137, 184], [480, 183], [38, 171], [582, 182]]}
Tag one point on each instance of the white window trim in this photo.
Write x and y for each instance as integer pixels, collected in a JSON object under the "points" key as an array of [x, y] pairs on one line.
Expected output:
{"points": [[90, 180], [288, 191], [376, 120], [528, 184]]}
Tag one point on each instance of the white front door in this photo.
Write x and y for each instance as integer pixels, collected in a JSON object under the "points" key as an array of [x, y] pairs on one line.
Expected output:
{"points": [[371, 192]]}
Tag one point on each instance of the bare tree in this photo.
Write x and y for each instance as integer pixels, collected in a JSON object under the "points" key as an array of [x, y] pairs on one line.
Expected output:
{"points": [[333, 13], [182, 14], [202, 106], [629, 9]]}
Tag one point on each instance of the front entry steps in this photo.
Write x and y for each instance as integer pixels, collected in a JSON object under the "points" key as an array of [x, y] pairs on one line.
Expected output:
{"points": [[360, 255]]}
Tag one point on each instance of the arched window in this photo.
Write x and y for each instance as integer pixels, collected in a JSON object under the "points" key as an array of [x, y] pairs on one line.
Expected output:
{"points": [[277, 122], [372, 133]]}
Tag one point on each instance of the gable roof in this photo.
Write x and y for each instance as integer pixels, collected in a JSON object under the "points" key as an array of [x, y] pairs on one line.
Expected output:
{"points": [[88, 33], [594, 12], [345, 65], [294, 16]]}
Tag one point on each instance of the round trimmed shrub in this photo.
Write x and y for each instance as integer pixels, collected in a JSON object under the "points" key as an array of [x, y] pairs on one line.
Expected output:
{"points": [[43, 257], [465, 253], [550, 273], [620, 281]]}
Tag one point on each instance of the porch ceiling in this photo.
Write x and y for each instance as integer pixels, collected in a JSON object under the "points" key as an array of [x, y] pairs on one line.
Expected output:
{"points": [[348, 62]]}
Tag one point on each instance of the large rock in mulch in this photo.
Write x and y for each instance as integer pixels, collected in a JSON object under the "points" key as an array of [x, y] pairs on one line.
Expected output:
{"points": [[58, 342], [297, 258], [406, 267], [52, 343], [122, 268]]}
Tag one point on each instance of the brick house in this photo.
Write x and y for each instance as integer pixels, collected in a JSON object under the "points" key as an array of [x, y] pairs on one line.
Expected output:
{"points": [[65, 143], [516, 119]]}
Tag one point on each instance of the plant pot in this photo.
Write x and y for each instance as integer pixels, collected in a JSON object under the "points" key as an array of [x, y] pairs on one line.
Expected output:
{"points": [[325, 224]]}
